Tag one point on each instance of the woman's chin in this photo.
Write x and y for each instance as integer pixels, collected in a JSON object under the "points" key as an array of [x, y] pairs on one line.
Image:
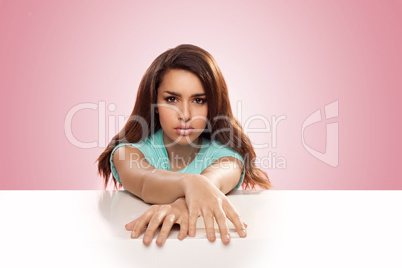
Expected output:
{"points": [[185, 139]]}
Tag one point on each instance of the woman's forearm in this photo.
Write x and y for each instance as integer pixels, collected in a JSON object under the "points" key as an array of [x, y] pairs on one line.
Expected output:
{"points": [[155, 186], [163, 187]]}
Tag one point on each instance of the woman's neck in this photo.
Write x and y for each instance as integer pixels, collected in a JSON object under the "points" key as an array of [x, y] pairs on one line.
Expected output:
{"points": [[181, 151]]}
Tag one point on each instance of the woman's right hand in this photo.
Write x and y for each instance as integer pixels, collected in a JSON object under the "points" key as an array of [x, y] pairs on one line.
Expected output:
{"points": [[204, 199], [165, 215]]}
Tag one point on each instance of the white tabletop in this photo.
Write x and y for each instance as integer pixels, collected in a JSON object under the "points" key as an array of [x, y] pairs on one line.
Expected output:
{"points": [[285, 229]]}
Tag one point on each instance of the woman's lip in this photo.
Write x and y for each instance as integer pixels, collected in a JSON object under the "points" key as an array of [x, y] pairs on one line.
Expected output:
{"points": [[184, 127], [184, 132]]}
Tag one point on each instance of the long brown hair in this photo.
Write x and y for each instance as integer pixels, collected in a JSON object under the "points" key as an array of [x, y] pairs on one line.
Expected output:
{"points": [[144, 120]]}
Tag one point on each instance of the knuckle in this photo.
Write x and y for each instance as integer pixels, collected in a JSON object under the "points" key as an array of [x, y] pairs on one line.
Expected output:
{"points": [[169, 219], [155, 221], [154, 207], [184, 220], [193, 213], [217, 201], [219, 213], [185, 214], [138, 226], [148, 213], [220, 200], [226, 202], [208, 216], [224, 228], [221, 221], [206, 211], [233, 215], [149, 232], [153, 225], [162, 234], [224, 232], [163, 207], [184, 226], [150, 228]]}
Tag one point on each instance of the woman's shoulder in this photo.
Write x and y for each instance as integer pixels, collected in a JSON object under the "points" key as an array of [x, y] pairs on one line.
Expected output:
{"points": [[217, 148], [147, 142], [148, 148]]}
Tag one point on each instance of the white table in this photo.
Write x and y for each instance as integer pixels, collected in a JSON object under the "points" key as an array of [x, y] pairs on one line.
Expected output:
{"points": [[285, 229]]}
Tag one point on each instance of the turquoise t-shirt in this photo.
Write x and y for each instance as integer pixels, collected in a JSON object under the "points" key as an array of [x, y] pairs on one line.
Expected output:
{"points": [[155, 153]]}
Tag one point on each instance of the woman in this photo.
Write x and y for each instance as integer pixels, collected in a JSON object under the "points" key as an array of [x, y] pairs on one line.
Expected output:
{"points": [[182, 146]]}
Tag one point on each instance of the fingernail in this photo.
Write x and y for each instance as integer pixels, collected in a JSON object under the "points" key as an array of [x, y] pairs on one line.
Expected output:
{"points": [[211, 236], [133, 234], [147, 239], [192, 232], [243, 233], [160, 240], [226, 238]]}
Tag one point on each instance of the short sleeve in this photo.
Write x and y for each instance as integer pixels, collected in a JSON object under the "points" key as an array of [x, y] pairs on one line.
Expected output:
{"points": [[145, 150], [224, 151]]}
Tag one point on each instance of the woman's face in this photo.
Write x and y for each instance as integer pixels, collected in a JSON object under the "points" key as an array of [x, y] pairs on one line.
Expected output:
{"points": [[182, 106]]}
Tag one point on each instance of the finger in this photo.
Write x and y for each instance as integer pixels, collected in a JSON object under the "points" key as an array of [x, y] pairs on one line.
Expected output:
{"points": [[141, 222], [129, 226], [223, 226], [165, 230], [183, 229], [234, 217], [193, 216], [152, 227], [209, 225]]}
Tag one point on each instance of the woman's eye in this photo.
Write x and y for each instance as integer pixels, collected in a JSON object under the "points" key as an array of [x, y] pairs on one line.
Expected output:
{"points": [[200, 100], [170, 99]]}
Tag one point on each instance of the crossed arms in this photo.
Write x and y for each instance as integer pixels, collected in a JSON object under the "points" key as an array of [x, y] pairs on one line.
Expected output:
{"points": [[185, 196]]}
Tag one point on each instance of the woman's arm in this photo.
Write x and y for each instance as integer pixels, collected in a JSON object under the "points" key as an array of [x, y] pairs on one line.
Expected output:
{"points": [[203, 197], [152, 185], [225, 173], [156, 186]]}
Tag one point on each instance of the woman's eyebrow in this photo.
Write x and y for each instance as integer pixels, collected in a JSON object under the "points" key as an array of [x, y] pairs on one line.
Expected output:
{"points": [[179, 95]]}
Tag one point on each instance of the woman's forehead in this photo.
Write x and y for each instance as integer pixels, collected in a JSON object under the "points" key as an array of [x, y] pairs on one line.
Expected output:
{"points": [[181, 83]]}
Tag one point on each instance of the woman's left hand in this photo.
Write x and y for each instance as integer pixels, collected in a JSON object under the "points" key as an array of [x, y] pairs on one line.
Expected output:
{"points": [[165, 215]]}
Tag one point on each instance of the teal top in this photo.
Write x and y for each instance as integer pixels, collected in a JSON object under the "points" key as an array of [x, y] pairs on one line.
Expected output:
{"points": [[155, 153]]}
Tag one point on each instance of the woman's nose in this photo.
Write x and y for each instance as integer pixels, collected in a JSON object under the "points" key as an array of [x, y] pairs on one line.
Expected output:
{"points": [[185, 113]]}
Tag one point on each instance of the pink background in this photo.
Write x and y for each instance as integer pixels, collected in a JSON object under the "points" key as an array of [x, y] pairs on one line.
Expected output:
{"points": [[286, 58]]}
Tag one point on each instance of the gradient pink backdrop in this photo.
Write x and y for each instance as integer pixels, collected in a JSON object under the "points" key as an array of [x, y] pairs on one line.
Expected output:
{"points": [[278, 57]]}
